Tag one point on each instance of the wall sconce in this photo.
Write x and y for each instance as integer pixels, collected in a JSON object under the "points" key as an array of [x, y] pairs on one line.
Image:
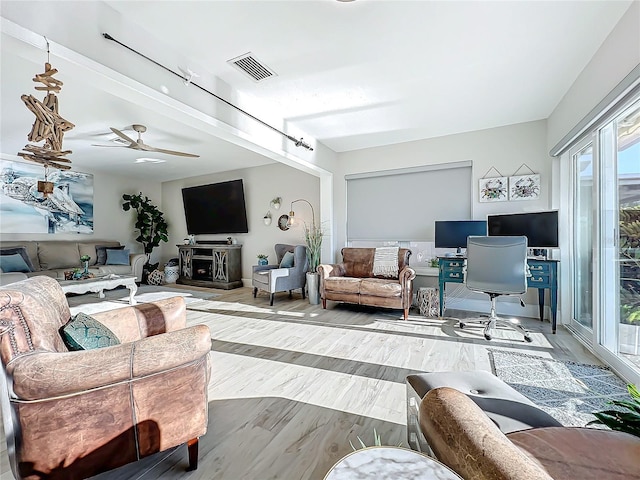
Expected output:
{"points": [[267, 218], [276, 202]]}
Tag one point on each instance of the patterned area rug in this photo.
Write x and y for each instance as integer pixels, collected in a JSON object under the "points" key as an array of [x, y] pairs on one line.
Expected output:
{"points": [[568, 391]]}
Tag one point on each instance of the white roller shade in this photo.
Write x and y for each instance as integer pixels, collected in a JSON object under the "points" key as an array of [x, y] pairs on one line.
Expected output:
{"points": [[403, 204]]}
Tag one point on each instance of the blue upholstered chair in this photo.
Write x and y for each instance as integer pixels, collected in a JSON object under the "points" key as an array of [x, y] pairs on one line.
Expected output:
{"points": [[274, 278], [497, 266]]}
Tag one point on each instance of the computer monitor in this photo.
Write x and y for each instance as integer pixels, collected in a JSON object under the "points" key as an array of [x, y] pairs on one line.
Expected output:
{"points": [[540, 228], [454, 233]]}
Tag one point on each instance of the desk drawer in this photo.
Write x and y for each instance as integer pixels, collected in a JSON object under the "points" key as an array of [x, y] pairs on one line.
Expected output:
{"points": [[453, 275], [539, 281], [539, 268]]}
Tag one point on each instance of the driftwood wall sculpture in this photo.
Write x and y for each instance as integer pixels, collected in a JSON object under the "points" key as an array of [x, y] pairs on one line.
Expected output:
{"points": [[48, 126]]}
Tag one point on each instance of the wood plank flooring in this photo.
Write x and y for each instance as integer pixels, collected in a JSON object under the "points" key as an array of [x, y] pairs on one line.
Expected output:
{"points": [[293, 384]]}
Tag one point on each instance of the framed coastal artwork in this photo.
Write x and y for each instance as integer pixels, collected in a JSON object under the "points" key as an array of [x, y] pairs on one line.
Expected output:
{"points": [[524, 187], [69, 209], [493, 189]]}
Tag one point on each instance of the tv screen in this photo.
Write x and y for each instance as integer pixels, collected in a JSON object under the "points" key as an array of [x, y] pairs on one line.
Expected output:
{"points": [[215, 208], [454, 233], [540, 228]]}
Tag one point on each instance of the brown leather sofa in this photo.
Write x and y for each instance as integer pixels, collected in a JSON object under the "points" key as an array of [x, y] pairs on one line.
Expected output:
{"points": [[74, 414], [352, 281], [465, 439]]}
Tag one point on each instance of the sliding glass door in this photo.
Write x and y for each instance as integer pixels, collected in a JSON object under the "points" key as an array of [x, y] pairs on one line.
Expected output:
{"points": [[582, 315], [606, 240], [625, 342]]}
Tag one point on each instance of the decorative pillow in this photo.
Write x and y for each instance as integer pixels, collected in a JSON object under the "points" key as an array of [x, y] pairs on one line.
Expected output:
{"points": [[101, 253], [22, 251], [287, 260], [83, 332], [58, 254], [13, 263], [117, 256]]}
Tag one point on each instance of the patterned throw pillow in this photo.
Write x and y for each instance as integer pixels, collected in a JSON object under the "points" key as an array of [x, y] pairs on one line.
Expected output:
{"points": [[83, 332]]}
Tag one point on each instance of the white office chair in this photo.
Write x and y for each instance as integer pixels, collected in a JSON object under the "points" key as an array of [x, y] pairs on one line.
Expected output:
{"points": [[497, 266]]}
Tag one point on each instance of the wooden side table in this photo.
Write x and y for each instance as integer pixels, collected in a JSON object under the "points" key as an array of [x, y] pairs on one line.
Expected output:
{"points": [[389, 462]]}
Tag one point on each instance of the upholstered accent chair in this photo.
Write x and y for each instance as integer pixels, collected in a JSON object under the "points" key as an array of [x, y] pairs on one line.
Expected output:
{"points": [[74, 414], [276, 278]]}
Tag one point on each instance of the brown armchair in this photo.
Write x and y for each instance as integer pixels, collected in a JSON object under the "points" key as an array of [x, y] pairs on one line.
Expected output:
{"points": [[353, 281], [75, 414]]}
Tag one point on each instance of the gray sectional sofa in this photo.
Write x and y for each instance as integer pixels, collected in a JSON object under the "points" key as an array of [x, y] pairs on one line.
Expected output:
{"points": [[52, 257]]}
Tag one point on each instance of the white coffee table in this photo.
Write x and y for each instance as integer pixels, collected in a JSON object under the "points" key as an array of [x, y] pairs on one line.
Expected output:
{"points": [[389, 462], [100, 284]]}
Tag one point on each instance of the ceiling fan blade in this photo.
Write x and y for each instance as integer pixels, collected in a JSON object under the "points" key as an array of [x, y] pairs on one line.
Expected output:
{"points": [[117, 146], [123, 136], [171, 152]]}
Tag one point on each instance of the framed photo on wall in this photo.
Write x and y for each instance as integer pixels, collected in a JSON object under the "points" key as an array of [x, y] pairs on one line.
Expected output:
{"points": [[493, 189], [524, 187]]}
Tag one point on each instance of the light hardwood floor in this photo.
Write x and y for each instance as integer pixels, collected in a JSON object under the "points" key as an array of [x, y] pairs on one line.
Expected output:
{"points": [[293, 384]]}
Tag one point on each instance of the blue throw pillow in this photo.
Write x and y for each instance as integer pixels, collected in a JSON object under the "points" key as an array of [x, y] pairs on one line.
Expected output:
{"points": [[83, 332], [101, 253], [117, 257], [287, 260], [23, 253], [13, 263]]}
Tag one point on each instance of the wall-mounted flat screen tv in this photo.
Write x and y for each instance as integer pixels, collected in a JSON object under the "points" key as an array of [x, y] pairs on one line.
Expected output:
{"points": [[454, 233], [215, 208], [540, 228]]}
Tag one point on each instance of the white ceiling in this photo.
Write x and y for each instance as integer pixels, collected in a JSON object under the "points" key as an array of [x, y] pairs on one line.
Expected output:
{"points": [[351, 75]]}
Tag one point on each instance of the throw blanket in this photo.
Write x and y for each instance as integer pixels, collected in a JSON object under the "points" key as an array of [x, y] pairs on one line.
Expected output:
{"points": [[385, 262]]}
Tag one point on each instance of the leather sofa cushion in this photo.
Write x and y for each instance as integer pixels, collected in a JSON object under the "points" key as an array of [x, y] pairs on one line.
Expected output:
{"points": [[584, 453], [54, 255], [378, 287], [342, 284]]}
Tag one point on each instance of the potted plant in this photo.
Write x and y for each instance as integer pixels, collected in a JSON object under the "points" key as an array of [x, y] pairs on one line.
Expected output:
{"points": [[150, 224], [624, 419], [262, 259], [276, 202], [313, 238]]}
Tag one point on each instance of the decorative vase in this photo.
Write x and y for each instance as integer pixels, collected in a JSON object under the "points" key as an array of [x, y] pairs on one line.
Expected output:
{"points": [[263, 261], [313, 287], [86, 268]]}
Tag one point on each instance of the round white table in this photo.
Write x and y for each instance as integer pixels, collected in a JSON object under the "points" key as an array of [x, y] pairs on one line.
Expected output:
{"points": [[389, 462]]}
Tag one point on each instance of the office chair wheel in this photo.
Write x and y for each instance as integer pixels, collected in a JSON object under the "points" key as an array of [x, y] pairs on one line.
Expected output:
{"points": [[487, 336], [528, 339]]}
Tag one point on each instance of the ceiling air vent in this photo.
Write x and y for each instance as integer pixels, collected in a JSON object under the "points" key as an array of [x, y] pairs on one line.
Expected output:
{"points": [[248, 64]]}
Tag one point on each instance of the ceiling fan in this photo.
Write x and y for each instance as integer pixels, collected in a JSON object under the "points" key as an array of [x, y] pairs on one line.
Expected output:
{"points": [[140, 145]]}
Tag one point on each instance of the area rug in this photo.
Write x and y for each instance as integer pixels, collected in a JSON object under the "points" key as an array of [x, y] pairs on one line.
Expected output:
{"points": [[116, 298], [568, 391]]}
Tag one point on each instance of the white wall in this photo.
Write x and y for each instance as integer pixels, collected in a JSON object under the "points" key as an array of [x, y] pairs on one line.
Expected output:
{"points": [[110, 221], [261, 184], [618, 55], [505, 148]]}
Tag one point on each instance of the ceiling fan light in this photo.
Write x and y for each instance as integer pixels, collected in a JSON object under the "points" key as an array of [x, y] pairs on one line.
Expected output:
{"points": [[149, 160]]}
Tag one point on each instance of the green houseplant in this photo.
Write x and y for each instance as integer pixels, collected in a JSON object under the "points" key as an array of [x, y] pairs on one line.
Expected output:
{"points": [[626, 418], [150, 224]]}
